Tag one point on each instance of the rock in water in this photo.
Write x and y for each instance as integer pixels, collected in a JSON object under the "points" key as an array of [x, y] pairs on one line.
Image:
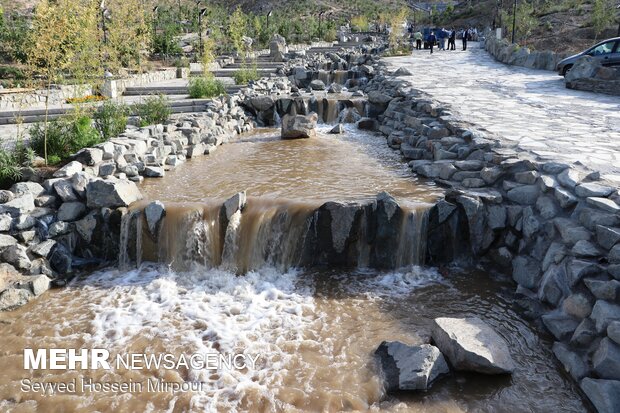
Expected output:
{"points": [[154, 212], [472, 345], [338, 129], [410, 367], [299, 126]]}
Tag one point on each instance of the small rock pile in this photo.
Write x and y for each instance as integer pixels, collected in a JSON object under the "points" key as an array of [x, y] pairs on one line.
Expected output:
{"points": [[468, 344]]}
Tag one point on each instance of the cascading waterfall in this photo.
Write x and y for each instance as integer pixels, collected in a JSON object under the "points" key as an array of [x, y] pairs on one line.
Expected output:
{"points": [[280, 233]]}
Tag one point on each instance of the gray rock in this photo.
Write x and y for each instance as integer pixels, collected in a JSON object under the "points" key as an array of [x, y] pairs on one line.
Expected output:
{"points": [[554, 285], [43, 249], [317, 85], [584, 334], [614, 271], [6, 240], [606, 360], [402, 71], [613, 331], [565, 198], [154, 212], [195, 150], [64, 190], [111, 193], [531, 225], [5, 222], [338, 129], [573, 364], [526, 177], [491, 175], [46, 201], [604, 204], [107, 168], [577, 305], [13, 298], [569, 178], [16, 256], [607, 237], [233, 204], [89, 156], [6, 196], [154, 172], [366, 124], [526, 271], [261, 103], [299, 126], [497, 217], [561, 325], [547, 208], [39, 284], [570, 232], [472, 345], [524, 195], [59, 228], [23, 188], [68, 170], [410, 367], [547, 183], [19, 205], [614, 254], [591, 189], [585, 249], [71, 211], [604, 313], [554, 167], [604, 290], [604, 394], [86, 226]]}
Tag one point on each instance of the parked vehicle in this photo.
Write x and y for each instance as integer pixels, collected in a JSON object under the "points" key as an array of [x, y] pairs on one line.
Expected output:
{"points": [[607, 51]]}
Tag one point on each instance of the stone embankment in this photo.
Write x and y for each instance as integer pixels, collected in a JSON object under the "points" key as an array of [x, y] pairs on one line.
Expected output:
{"points": [[590, 75], [554, 227], [516, 55]]}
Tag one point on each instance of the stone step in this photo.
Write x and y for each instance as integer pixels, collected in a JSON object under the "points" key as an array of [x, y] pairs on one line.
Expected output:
{"points": [[231, 72], [170, 90], [38, 115]]}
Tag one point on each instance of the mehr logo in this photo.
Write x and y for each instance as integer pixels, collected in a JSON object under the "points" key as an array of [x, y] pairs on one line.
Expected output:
{"points": [[63, 359]]}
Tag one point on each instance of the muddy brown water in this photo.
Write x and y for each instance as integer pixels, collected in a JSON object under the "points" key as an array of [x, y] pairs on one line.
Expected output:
{"points": [[313, 331]]}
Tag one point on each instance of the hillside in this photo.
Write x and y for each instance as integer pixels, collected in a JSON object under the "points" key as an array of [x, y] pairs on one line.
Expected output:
{"points": [[559, 25]]}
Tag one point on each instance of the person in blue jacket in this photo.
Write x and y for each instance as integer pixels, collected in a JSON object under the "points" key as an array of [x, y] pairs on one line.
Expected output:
{"points": [[431, 41]]}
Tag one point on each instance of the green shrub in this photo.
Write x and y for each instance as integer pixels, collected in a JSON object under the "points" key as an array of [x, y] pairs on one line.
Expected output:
{"points": [[152, 110], [11, 162], [205, 87], [65, 136], [245, 75], [111, 119]]}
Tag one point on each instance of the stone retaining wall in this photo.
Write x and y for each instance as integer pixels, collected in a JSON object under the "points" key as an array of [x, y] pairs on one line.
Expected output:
{"points": [[511, 54], [554, 227], [28, 98], [115, 88]]}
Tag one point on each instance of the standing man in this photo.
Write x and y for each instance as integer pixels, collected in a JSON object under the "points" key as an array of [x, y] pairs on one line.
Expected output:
{"points": [[431, 41], [418, 40], [465, 36], [452, 42]]}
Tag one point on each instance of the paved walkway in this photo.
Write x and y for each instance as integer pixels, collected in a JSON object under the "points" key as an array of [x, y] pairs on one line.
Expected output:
{"points": [[529, 109]]}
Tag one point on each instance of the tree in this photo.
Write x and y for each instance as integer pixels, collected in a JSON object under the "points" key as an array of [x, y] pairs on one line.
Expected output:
{"points": [[63, 44], [602, 16], [237, 27], [128, 34]]}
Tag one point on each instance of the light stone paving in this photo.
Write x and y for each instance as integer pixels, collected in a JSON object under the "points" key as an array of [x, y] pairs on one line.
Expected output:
{"points": [[528, 109]]}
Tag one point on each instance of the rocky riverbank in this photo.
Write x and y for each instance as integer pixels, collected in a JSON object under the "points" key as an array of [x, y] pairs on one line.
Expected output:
{"points": [[554, 227]]}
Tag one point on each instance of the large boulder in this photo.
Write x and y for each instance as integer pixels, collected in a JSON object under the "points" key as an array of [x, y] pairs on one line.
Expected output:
{"points": [[604, 394], [585, 67], [472, 345], [277, 48], [299, 126], [111, 193], [410, 367]]}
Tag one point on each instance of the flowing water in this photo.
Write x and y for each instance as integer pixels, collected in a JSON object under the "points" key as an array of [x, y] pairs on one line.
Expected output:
{"points": [[312, 332]]}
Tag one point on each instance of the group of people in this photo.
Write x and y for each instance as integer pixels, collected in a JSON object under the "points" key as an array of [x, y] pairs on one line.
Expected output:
{"points": [[444, 39]]}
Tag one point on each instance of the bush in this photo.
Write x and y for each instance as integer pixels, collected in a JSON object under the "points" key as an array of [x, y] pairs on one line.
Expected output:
{"points": [[65, 136], [153, 110], [111, 119], [205, 87], [11, 162], [245, 75]]}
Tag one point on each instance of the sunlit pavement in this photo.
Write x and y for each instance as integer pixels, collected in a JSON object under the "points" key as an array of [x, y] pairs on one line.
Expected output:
{"points": [[529, 109]]}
